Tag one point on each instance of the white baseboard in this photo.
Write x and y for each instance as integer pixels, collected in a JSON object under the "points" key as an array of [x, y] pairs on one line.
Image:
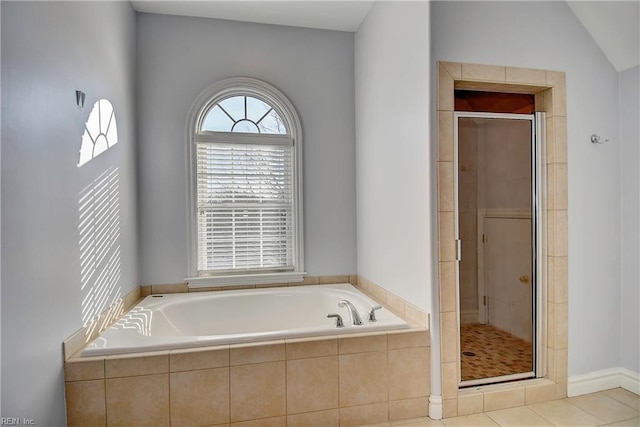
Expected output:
{"points": [[603, 380], [435, 407]]}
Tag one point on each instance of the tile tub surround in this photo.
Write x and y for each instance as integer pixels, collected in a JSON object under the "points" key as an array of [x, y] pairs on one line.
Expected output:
{"points": [[549, 88], [329, 381]]}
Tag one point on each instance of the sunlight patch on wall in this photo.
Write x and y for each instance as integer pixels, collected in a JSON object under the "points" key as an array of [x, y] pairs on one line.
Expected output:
{"points": [[100, 255], [100, 132]]}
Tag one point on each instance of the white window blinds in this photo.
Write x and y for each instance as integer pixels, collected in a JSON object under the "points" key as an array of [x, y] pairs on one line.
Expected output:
{"points": [[245, 205]]}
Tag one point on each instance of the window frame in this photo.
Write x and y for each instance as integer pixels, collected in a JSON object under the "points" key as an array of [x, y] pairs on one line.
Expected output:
{"points": [[214, 94]]}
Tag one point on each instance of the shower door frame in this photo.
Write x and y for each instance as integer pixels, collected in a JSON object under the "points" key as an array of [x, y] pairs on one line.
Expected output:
{"points": [[538, 196]]}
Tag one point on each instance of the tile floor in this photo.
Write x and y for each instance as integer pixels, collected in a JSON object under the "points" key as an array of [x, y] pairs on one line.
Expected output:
{"points": [[617, 407], [486, 351]]}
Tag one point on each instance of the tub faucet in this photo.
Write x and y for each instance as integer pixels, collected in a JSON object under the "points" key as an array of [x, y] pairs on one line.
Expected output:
{"points": [[353, 312]]}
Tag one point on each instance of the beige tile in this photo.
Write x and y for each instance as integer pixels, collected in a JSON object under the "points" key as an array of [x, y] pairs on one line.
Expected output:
{"points": [[555, 77], [551, 279], [145, 290], [364, 414], [170, 289], [245, 354], [450, 408], [470, 403], [561, 368], [526, 75], [559, 186], [133, 365], [75, 343], [194, 359], [311, 347], [449, 328], [445, 186], [453, 68], [408, 373], [501, 399], [445, 90], [416, 316], [200, 397], [82, 369], [560, 279], [86, 403], [561, 233], [446, 237], [353, 279], [363, 378], [445, 136], [561, 319], [560, 98], [560, 139], [408, 408], [263, 422], [328, 280], [563, 413], [539, 393], [633, 422], [407, 339], [395, 304], [329, 418], [548, 103], [551, 360], [551, 233], [378, 293], [257, 391], [360, 343], [476, 420], [605, 408], [490, 73], [449, 380], [625, 396], [308, 280], [447, 286], [312, 384], [418, 422], [521, 416], [139, 401]]}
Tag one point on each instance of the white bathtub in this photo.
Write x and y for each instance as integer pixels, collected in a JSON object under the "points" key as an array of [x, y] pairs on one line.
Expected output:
{"points": [[171, 321]]}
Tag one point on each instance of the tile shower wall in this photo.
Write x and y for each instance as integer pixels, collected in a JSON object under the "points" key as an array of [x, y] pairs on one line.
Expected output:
{"points": [[327, 381]]}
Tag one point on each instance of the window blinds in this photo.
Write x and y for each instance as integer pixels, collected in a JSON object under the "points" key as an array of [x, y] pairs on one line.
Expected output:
{"points": [[245, 202]]}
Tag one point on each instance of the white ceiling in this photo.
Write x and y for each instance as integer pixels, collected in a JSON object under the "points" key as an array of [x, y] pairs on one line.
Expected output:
{"points": [[329, 15], [614, 25]]}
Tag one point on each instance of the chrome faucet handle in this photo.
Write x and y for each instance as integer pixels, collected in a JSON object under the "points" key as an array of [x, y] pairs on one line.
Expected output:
{"points": [[372, 313], [339, 323]]}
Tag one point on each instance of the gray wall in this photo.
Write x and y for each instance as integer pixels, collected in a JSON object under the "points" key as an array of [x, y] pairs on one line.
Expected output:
{"points": [[630, 143], [49, 50], [548, 35], [179, 57], [393, 158]]}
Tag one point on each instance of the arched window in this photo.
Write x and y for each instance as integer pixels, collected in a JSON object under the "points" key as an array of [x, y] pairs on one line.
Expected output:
{"points": [[245, 199]]}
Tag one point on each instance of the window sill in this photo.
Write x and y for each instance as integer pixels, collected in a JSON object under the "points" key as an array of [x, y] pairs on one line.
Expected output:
{"points": [[244, 279]]}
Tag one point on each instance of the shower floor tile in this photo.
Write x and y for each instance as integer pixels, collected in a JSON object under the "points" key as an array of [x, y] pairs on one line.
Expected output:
{"points": [[486, 352]]}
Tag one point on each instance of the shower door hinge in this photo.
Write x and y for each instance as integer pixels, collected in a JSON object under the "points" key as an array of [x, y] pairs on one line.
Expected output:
{"points": [[458, 250]]}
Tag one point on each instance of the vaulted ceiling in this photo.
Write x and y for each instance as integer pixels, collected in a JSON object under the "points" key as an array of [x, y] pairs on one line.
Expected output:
{"points": [[614, 25]]}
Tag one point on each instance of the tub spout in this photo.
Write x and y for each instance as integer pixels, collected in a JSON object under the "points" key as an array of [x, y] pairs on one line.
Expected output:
{"points": [[353, 312]]}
